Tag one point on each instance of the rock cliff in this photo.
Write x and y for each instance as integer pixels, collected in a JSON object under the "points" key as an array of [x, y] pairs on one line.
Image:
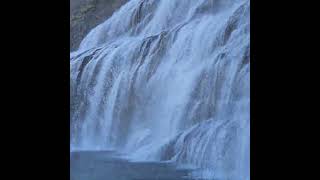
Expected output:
{"points": [[86, 14]]}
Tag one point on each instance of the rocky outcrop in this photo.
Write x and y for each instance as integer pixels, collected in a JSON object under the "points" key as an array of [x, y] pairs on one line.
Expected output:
{"points": [[86, 14]]}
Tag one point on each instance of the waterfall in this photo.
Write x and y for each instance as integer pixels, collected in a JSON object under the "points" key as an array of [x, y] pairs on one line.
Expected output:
{"points": [[167, 80]]}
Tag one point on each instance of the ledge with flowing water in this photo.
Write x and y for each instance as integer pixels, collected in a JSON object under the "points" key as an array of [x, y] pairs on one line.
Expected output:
{"points": [[167, 80]]}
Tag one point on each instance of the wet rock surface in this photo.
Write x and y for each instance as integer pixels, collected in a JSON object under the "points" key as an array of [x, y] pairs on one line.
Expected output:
{"points": [[87, 14]]}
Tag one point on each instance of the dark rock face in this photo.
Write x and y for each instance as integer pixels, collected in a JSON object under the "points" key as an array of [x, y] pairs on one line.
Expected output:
{"points": [[86, 14]]}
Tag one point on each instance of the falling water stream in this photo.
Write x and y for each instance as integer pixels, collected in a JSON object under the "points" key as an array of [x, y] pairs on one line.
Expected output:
{"points": [[167, 81]]}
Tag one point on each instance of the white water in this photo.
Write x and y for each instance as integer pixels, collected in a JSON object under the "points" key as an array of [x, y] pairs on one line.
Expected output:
{"points": [[167, 80]]}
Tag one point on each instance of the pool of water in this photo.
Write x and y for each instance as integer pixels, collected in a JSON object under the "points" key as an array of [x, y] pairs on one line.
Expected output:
{"points": [[108, 165]]}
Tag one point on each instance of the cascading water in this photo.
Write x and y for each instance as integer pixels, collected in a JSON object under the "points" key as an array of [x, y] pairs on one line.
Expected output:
{"points": [[167, 80]]}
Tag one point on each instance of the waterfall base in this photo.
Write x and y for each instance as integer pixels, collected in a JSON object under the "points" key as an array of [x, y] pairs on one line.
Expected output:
{"points": [[102, 165]]}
